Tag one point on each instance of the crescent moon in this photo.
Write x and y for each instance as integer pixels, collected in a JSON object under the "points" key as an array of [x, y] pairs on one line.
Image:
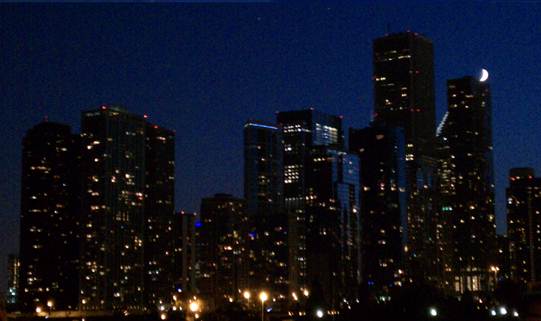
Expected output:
{"points": [[484, 75]]}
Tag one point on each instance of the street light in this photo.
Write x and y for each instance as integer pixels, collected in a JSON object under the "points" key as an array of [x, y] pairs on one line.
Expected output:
{"points": [[263, 296], [433, 312], [319, 313], [194, 306], [247, 295]]}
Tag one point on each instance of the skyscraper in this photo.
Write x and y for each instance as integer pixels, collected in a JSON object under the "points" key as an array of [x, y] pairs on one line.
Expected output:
{"points": [[49, 208], [524, 225], [404, 88], [404, 96], [160, 270], [333, 227], [383, 204], [264, 194], [322, 214], [467, 148], [301, 131], [113, 173], [222, 234]]}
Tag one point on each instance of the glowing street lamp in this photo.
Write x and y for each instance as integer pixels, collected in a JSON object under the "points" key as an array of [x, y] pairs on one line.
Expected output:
{"points": [[263, 296], [433, 312], [194, 306], [319, 313], [38, 309], [247, 295]]}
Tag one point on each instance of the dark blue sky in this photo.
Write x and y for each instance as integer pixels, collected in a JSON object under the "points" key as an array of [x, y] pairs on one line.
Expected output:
{"points": [[204, 69]]}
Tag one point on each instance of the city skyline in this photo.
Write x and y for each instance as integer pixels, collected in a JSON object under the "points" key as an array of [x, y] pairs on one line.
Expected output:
{"points": [[229, 133]]}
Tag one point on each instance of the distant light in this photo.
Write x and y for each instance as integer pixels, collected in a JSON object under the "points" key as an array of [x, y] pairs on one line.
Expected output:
{"points": [[484, 75], [198, 224], [247, 295], [50, 303], [263, 296], [162, 308], [163, 316], [493, 312], [319, 313], [433, 312], [194, 306], [306, 292], [503, 311], [38, 309], [515, 313]]}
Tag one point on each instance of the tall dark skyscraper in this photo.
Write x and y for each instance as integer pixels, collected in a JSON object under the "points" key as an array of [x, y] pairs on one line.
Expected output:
{"points": [[466, 137], [383, 204], [113, 173], [160, 270], [404, 96], [49, 215], [222, 234], [264, 194], [404, 88], [322, 215], [524, 225]]}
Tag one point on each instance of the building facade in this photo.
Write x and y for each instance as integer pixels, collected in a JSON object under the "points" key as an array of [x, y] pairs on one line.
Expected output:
{"points": [[404, 96], [185, 252], [524, 225], [467, 150], [222, 263], [49, 249], [264, 194], [383, 207], [301, 131], [14, 268], [159, 211], [113, 173]]}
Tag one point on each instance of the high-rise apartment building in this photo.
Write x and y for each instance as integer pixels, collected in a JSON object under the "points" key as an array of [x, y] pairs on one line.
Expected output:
{"points": [[524, 225], [159, 211], [264, 194], [127, 204], [49, 216], [222, 234], [467, 150], [383, 204]]}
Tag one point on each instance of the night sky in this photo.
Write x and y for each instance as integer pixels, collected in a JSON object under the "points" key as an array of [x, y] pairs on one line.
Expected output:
{"points": [[204, 69]]}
